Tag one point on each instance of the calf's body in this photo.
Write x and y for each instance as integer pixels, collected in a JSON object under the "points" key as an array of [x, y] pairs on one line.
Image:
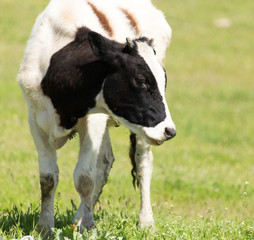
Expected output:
{"points": [[79, 98]]}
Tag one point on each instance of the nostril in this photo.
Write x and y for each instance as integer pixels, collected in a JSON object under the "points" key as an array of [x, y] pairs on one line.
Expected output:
{"points": [[170, 133]]}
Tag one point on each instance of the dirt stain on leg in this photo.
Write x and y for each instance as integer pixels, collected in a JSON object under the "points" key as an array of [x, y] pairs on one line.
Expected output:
{"points": [[47, 184], [85, 185]]}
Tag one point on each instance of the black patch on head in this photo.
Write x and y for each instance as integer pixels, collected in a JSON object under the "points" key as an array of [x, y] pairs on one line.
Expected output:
{"points": [[77, 72], [75, 76], [132, 91]]}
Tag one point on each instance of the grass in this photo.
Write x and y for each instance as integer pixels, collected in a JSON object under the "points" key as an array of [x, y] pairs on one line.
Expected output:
{"points": [[120, 224], [203, 180]]}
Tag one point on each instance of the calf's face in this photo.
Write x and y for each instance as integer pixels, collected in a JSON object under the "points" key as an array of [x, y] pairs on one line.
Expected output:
{"points": [[134, 92]]}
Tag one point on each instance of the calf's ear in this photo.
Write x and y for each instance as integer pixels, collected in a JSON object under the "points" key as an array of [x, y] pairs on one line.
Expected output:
{"points": [[105, 49], [98, 43]]}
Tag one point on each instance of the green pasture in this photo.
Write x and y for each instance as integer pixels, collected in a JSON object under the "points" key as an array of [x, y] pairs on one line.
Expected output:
{"points": [[203, 180]]}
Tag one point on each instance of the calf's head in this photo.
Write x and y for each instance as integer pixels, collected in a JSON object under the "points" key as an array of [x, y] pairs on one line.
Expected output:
{"points": [[134, 91]]}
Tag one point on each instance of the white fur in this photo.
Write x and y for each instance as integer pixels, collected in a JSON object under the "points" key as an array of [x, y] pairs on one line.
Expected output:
{"points": [[144, 161], [54, 28], [156, 132]]}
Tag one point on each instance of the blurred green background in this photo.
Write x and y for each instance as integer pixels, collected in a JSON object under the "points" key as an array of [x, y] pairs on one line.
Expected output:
{"points": [[207, 170]]}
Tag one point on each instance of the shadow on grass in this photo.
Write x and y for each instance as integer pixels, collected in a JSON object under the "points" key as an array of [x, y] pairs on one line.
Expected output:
{"points": [[26, 220]]}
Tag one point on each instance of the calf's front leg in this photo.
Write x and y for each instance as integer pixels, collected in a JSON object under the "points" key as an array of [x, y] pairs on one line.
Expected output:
{"points": [[48, 176], [142, 158], [94, 164]]}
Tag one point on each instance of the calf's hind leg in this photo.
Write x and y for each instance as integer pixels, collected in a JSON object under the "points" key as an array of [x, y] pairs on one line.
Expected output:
{"points": [[48, 176], [142, 159]]}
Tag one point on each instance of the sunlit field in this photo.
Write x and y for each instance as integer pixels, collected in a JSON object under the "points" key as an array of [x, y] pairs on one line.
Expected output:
{"points": [[203, 180]]}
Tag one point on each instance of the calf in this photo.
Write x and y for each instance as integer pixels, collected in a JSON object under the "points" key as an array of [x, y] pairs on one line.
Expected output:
{"points": [[76, 80]]}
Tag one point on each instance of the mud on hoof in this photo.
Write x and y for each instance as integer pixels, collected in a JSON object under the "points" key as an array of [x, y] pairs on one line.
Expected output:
{"points": [[44, 231], [87, 223]]}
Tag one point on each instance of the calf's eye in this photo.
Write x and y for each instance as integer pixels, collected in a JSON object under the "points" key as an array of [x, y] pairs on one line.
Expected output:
{"points": [[141, 82]]}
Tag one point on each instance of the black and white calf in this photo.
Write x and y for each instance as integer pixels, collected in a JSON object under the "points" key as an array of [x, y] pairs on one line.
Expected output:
{"points": [[76, 80]]}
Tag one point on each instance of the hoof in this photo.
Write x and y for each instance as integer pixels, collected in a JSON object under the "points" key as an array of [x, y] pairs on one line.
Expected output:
{"points": [[44, 231], [87, 227], [87, 223], [146, 220]]}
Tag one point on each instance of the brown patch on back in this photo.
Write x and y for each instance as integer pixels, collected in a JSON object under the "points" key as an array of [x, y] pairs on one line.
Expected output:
{"points": [[132, 20], [102, 19]]}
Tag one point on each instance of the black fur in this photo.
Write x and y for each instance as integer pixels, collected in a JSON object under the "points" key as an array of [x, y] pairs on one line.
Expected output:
{"points": [[73, 79], [77, 72], [132, 93]]}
